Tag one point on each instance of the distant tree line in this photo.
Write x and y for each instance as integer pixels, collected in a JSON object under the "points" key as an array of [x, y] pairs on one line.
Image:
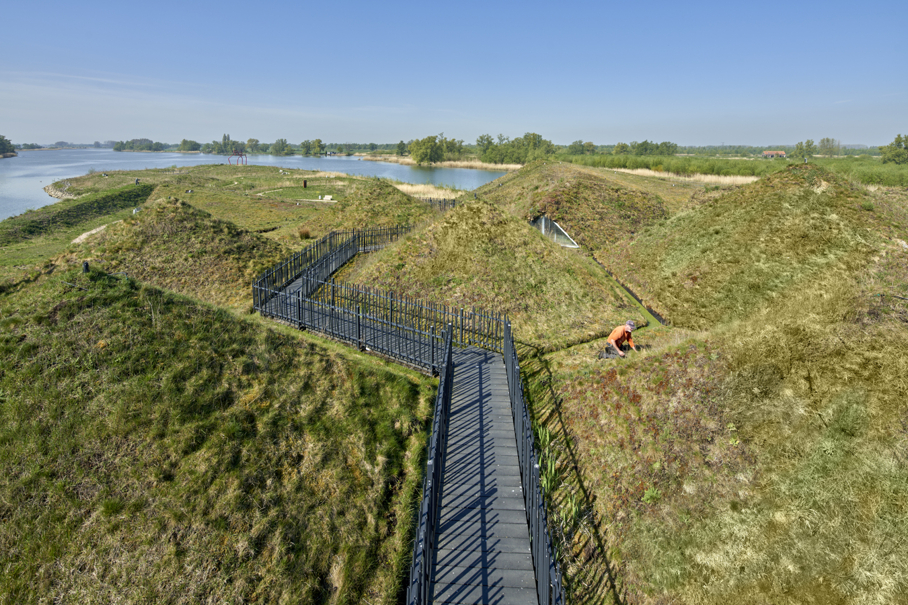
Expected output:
{"points": [[503, 150], [529, 147], [140, 145], [645, 148]]}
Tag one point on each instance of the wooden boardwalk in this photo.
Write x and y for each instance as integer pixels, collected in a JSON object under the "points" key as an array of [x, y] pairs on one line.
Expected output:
{"points": [[483, 553]]}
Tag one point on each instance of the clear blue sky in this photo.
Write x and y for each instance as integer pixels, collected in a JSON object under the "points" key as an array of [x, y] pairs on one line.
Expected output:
{"points": [[694, 73]]}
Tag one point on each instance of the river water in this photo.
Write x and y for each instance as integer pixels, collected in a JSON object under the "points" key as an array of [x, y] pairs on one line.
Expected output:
{"points": [[23, 178]]}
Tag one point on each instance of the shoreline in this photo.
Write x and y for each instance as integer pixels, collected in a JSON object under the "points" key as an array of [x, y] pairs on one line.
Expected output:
{"points": [[473, 164], [9, 154], [60, 194]]}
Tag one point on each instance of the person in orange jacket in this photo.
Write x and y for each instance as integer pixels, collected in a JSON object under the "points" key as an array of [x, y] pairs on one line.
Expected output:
{"points": [[622, 334]]}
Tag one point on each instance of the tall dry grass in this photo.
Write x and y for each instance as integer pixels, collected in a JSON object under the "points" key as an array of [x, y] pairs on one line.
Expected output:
{"points": [[426, 190], [474, 164], [715, 179]]}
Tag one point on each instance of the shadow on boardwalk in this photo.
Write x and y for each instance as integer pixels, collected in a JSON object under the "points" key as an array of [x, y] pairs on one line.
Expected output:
{"points": [[484, 552]]}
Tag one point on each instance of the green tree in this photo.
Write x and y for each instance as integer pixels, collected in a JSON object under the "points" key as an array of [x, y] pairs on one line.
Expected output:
{"points": [[621, 149], [401, 148], [453, 148], [6, 145], [252, 145], [531, 146], [896, 152], [575, 148], [318, 147], [187, 145], [804, 149], [280, 147], [589, 148], [483, 143], [427, 150], [829, 147], [667, 148], [306, 147]]}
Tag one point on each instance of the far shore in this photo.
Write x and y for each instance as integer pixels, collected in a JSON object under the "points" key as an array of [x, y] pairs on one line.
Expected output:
{"points": [[474, 164]]}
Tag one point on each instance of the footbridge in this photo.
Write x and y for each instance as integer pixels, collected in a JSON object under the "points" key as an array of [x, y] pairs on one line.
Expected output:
{"points": [[482, 533]]}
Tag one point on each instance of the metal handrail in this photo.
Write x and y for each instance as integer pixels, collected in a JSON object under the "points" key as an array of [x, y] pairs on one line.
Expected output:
{"points": [[440, 204], [548, 573], [421, 334], [420, 587]]}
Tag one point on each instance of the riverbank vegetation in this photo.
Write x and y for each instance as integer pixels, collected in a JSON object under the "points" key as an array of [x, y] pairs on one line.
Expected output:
{"points": [[69, 213], [7, 148], [473, 164], [140, 145]]}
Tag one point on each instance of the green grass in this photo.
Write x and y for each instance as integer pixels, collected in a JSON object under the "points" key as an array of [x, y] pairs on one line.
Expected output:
{"points": [[722, 260], [479, 255], [593, 209], [375, 203], [172, 245], [758, 460], [866, 170], [170, 451], [184, 455], [70, 213]]}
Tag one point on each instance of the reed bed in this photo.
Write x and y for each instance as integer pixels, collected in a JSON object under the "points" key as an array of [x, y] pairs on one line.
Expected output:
{"points": [[427, 190], [715, 179]]}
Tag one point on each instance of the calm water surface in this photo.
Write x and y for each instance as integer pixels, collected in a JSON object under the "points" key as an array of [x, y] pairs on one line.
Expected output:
{"points": [[22, 179]]}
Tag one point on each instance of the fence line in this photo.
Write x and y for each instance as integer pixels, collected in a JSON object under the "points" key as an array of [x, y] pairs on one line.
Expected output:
{"points": [[441, 204], [420, 587], [548, 573], [320, 254]]}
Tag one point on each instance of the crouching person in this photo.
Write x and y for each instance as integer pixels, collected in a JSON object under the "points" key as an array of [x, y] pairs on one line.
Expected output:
{"points": [[621, 335]]}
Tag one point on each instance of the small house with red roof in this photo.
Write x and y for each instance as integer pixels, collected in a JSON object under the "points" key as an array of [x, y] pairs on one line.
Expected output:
{"points": [[773, 154]]}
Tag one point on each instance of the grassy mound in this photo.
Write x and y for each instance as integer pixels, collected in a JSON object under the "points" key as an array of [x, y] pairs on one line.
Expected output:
{"points": [[157, 450], [69, 213], [594, 210], [478, 254], [371, 203], [761, 461], [724, 259], [172, 245]]}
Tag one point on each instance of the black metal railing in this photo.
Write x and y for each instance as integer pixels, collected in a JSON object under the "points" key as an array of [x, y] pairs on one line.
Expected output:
{"points": [[548, 572], [399, 327], [300, 291], [440, 204], [474, 326], [420, 586], [320, 256]]}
